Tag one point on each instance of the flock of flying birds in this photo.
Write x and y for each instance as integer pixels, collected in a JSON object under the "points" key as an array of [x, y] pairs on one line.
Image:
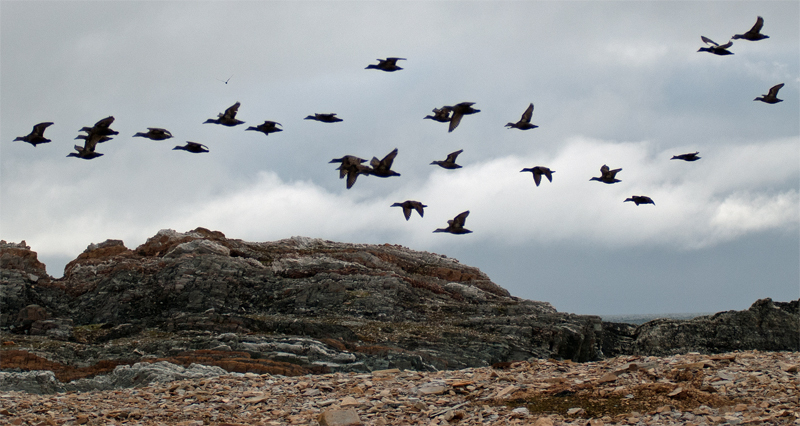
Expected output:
{"points": [[352, 166]]}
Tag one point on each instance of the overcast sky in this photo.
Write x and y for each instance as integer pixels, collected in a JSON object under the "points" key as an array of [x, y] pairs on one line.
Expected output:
{"points": [[616, 83]]}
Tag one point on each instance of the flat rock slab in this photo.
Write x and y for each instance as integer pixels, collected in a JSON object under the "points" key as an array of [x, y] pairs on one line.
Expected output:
{"points": [[339, 418]]}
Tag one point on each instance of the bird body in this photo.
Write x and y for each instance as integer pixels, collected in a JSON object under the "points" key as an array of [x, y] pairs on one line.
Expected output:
{"points": [[351, 167], [266, 128], [154, 133], [524, 123], [459, 111], [755, 33], [640, 199], [228, 118], [692, 156], [441, 115], [193, 147], [450, 161], [607, 175], [716, 48], [388, 64], [410, 205], [325, 118], [538, 171], [382, 168], [456, 226], [84, 152], [36, 136], [772, 96]]}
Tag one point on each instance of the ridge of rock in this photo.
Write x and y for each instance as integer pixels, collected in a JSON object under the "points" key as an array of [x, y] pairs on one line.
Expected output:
{"points": [[303, 305]]}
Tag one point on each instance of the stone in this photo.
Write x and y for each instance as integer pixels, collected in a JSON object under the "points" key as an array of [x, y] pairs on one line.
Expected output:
{"points": [[339, 418]]}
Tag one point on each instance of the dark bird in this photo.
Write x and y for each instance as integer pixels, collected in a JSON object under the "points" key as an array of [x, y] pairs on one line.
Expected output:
{"points": [[100, 139], [192, 147], [441, 115], [538, 171], [154, 133], [226, 81], [640, 199], [456, 226], [36, 136], [87, 151], [772, 96], [382, 168], [325, 118], [715, 48], [450, 161], [266, 128], [388, 64], [460, 110], [755, 33], [607, 176], [102, 127], [409, 205], [228, 118], [692, 156], [524, 123], [351, 167]]}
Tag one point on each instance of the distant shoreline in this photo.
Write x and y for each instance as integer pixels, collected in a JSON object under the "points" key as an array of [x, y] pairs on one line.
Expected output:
{"points": [[638, 319]]}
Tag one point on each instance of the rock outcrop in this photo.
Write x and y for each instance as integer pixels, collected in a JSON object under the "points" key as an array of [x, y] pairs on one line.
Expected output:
{"points": [[304, 305]]}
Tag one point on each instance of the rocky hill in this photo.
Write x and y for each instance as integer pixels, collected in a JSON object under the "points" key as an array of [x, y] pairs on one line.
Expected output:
{"points": [[304, 305]]}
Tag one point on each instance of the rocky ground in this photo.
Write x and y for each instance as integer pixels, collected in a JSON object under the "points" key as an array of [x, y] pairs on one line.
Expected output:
{"points": [[747, 388]]}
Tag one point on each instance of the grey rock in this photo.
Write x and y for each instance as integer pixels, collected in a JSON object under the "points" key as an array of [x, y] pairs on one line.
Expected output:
{"points": [[38, 382], [142, 374]]}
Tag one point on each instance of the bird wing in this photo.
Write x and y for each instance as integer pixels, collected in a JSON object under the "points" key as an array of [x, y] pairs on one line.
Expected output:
{"points": [[455, 120], [613, 173], [548, 173], [406, 211], [231, 111], [105, 122], [39, 128], [418, 207], [757, 27], [459, 220], [527, 115], [352, 175], [604, 169], [451, 157], [375, 163], [537, 175], [389, 159], [708, 40], [727, 45], [773, 91], [91, 142]]}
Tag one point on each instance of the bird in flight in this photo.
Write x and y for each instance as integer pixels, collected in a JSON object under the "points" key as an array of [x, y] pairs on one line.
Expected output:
{"points": [[524, 123], [388, 64], [716, 48], [192, 147], [460, 110], [640, 199], [456, 226], [226, 81], [607, 176], [755, 33], [692, 156], [325, 118], [36, 136], [772, 96], [409, 205], [382, 168], [154, 133], [441, 115], [450, 161], [228, 118], [538, 171], [266, 128]]}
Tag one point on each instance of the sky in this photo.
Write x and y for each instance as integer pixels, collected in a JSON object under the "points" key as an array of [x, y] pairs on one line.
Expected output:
{"points": [[616, 83]]}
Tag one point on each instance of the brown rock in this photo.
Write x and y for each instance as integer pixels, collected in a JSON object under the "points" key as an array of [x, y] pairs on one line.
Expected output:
{"points": [[339, 418]]}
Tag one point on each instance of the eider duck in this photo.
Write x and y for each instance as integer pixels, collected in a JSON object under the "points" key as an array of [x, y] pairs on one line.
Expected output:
{"points": [[388, 64], [325, 118], [755, 33], [154, 133], [36, 136], [266, 128], [192, 147], [456, 226], [538, 171], [460, 110], [450, 161], [772, 96], [607, 176], [715, 48], [409, 205], [382, 168], [228, 118], [524, 123], [441, 115], [692, 156], [640, 199]]}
